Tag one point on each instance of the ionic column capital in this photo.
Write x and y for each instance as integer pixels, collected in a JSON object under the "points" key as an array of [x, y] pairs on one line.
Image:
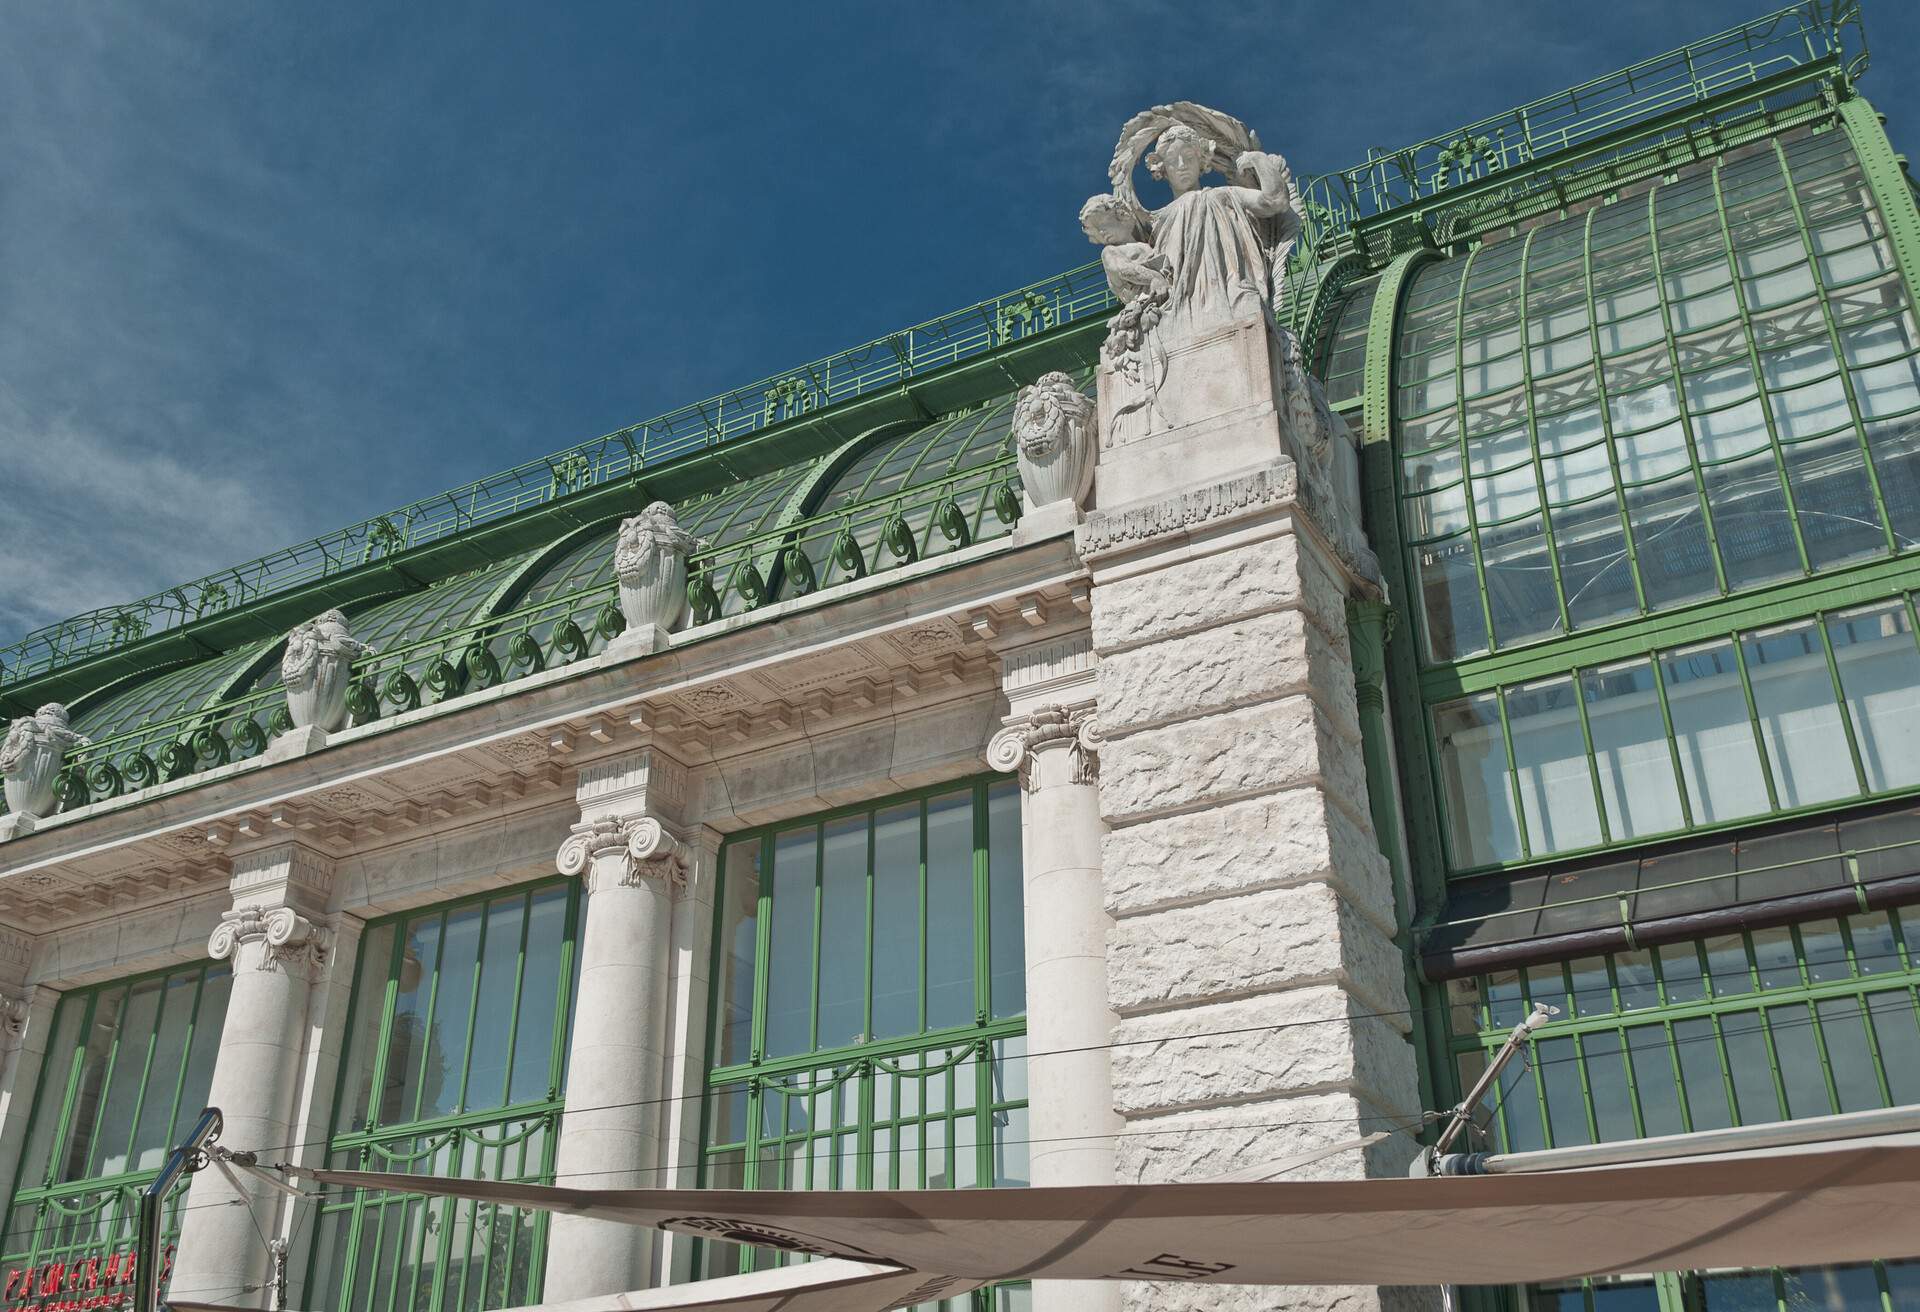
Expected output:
{"points": [[615, 852], [285, 937], [1050, 727]]}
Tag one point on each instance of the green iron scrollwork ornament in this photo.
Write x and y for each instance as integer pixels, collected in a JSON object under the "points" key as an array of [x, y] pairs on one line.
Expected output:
{"points": [[953, 523], [608, 622], [483, 667], [799, 569], [702, 599], [899, 540], [443, 679], [848, 555], [569, 643]]}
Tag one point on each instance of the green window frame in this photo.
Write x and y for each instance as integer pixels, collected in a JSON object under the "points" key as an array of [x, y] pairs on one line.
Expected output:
{"points": [[434, 1082], [126, 1073], [1683, 395], [860, 1038], [1717, 727]]}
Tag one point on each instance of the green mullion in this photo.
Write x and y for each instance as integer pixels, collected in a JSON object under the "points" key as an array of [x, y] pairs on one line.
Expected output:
{"points": [[473, 1007], [1866, 1023], [106, 1080], [1726, 1060], [1673, 741], [1886, 181], [1759, 375], [873, 857], [1753, 719], [1513, 778], [819, 932], [762, 948], [982, 912], [76, 1062], [923, 916], [1460, 443], [427, 1017], [1679, 1074], [1839, 353], [1840, 703], [1680, 393], [563, 992], [1605, 413], [396, 957], [1593, 758], [146, 1067], [519, 980], [1533, 436]]}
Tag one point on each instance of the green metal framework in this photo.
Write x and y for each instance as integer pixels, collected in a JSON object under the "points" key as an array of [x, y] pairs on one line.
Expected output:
{"points": [[126, 1073], [455, 1064], [868, 1008], [1738, 1029], [891, 363]]}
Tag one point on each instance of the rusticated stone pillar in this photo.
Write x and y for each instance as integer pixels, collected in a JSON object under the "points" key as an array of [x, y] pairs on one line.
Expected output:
{"points": [[610, 1135], [279, 948], [1052, 740]]}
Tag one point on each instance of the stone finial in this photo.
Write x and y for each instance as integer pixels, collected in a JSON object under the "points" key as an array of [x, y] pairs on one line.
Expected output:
{"points": [[316, 670], [286, 937], [32, 757], [1053, 439], [616, 853], [1074, 728], [651, 560]]}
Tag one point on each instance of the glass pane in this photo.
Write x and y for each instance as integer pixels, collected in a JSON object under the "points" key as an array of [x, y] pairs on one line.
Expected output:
{"points": [[1831, 1289], [1550, 763], [843, 933], [1751, 1292], [1006, 901], [1698, 1048], [85, 1115], [1670, 541], [1751, 523], [1449, 583], [1719, 762], [132, 1047], [488, 1063], [1607, 1084], [1474, 777], [1880, 673], [1843, 1027], [1896, 1030], [534, 1067], [152, 1138], [950, 997], [208, 1024], [1752, 1068], [1631, 751], [739, 943], [356, 1086], [1653, 1079], [1594, 569], [57, 1066], [896, 921], [407, 1037], [1799, 718], [1799, 1059], [1519, 580], [446, 1055], [790, 953], [1566, 1103]]}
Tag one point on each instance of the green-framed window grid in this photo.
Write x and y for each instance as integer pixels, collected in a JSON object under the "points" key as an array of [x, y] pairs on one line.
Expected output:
{"points": [[455, 1064], [1736, 1029], [1696, 391], [869, 1005], [126, 1073], [1719, 728]]}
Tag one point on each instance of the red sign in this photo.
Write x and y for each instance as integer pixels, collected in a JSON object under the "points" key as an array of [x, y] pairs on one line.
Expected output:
{"points": [[83, 1285]]}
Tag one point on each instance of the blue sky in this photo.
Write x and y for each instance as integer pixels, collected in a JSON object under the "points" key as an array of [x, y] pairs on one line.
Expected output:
{"points": [[268, 269]]}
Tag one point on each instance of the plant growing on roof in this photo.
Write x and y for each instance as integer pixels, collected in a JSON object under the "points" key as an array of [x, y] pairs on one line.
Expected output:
{"points": [[316, 669], [32, 757], [651, 559]]}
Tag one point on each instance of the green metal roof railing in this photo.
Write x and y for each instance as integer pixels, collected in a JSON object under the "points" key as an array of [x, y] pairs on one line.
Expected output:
{"points": [[792, 561], [1622, 106], [1070, 297]]}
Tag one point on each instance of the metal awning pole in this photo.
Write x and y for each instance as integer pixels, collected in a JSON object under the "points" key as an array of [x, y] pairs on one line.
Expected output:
{"points": [[1463, 1113], [190, 1156]]}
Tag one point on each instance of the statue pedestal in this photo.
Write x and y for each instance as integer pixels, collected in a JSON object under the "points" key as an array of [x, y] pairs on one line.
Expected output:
{"points": [[1214, 414], [15, 826], [296, 742], [635, 640], [1048, 521]]}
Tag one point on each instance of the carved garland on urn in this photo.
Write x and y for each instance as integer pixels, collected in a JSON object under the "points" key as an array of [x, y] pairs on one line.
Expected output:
{"points": [[643, 848], [287, 937], [1074, 728]]}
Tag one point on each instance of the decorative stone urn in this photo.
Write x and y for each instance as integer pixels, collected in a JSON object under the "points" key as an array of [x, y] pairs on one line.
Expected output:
{"points": [[1053, 424], [35, 750], [317, 669], [651, 560]]}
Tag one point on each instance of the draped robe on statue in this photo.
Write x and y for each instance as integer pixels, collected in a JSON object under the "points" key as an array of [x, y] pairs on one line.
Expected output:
{"points": [[1219, 261]]}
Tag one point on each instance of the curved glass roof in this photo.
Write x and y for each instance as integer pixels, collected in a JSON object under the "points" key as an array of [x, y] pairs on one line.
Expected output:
{"points": [[1340, 356], [1700, 389], [164, 696]]}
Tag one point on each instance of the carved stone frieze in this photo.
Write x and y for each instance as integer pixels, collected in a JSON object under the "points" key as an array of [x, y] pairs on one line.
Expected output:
{"points": [[624, 853], [286, 938], [1074, 729], [1109, 531]]}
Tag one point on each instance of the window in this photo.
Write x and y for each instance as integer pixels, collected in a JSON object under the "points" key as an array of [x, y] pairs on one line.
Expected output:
{"points": [[1785, 718], [125, 1076], [455, 1064], [869, 1004], [1705, 388], [1741, 1029]]}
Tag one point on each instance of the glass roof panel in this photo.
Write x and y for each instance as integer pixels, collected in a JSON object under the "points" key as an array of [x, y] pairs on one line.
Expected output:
{"points": [[163, 697]]}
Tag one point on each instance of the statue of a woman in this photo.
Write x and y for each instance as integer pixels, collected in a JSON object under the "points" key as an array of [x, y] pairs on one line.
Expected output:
{"points": [[1213, 236]]}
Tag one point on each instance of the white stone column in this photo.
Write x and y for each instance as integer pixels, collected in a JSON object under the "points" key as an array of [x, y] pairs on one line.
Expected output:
{"points": [[275, 938], [610, 1134], [1051, 739], [26, 1017], [691, 957]]}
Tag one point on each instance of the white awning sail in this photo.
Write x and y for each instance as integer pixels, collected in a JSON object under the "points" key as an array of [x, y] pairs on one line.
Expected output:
{"points": [[1844, 1204]]}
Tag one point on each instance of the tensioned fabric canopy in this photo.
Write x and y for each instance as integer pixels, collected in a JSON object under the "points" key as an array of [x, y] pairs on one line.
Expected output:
{"points": [[1776, 1208]]}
